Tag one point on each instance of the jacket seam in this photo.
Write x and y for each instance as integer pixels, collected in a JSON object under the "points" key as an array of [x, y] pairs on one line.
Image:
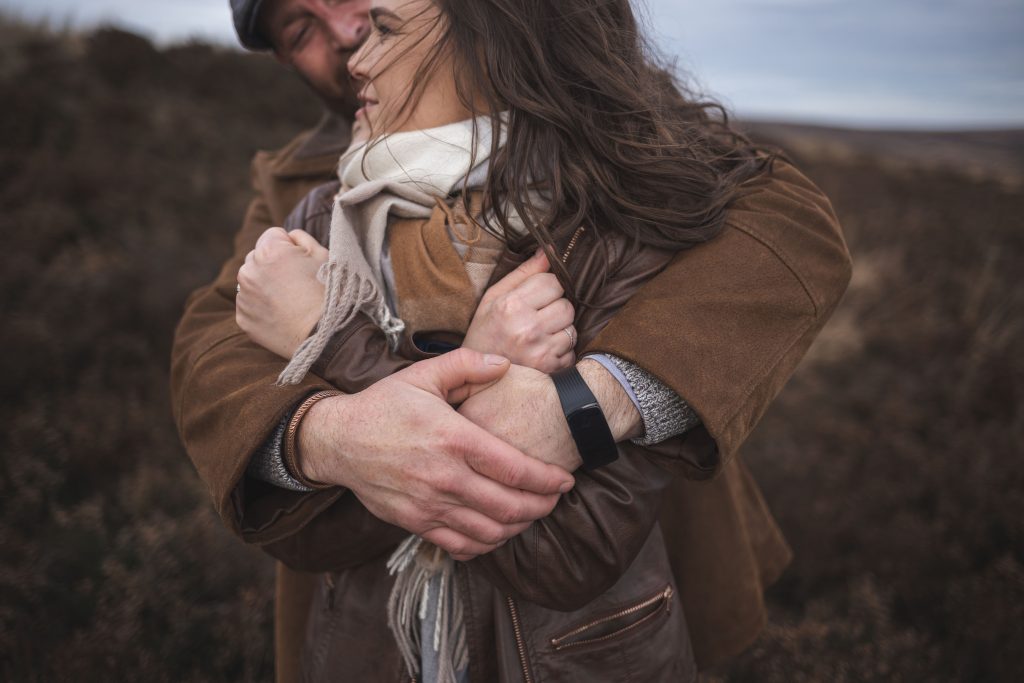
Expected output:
{"points": [[270, 532], [780, 254]]}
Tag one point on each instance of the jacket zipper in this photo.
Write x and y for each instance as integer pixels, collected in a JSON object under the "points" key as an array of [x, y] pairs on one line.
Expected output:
{"points": [[572, 243], [513, 611], [664, 596]]}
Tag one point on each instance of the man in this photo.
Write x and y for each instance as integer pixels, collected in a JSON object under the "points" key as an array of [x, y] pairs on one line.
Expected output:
{"points": [[754, 300]]}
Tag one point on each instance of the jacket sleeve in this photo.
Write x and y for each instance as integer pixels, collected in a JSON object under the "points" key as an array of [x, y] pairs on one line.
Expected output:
{"points": [[590, 539], [732, 318], [226, 402], [224, 398]]}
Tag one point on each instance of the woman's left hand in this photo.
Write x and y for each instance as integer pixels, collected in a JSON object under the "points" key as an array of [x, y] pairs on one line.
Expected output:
{"points": [[279, 297], [526, 318]]}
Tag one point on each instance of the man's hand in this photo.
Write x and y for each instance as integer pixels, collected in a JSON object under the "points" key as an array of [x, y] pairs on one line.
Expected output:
{"points": [[416, 463], [522, 408], [279, 297], [526, 318]]}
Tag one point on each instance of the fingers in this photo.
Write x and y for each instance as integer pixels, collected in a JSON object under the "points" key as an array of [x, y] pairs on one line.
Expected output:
{"points": [[303, 239], [557, 316], [480, 528], [270, 236], [460, 546], [565, 361], [540, 290], [536, 264], [503, 504], [457, 375], [500, 462]]}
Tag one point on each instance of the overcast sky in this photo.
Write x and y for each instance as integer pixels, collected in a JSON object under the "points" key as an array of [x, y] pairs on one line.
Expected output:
{"points": [[906, 63]]}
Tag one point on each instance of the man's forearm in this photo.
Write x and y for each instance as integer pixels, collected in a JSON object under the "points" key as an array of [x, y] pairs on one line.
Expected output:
{"points": [[622, 414]]}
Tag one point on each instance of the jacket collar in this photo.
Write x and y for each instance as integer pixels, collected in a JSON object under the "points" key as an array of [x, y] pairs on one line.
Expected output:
{"points": [[315, 153]]}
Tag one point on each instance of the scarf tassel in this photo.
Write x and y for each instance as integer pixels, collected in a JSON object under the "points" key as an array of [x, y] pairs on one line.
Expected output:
{"points": [[417, 567]]}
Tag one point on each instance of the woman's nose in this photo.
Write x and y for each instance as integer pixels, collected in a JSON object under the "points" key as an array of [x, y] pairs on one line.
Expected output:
{"points": [[358, 64]]}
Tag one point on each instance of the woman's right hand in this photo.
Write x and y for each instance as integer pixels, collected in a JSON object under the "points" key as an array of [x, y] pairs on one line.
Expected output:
{"points": [[279, 296], [526, 318]]}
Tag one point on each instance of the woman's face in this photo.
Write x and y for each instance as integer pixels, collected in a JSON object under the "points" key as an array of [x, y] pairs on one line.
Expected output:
{"points": [[405, 33]]}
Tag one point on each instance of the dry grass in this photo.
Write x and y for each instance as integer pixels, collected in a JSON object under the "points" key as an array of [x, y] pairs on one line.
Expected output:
{"points": [[892, 459]]}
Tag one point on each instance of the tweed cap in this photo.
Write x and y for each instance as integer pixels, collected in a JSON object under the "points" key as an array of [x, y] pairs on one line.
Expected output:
{"points": [[246, 13]]}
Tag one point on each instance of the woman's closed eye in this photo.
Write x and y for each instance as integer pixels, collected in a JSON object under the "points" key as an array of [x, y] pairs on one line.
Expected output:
{"points": [[383, 30]]}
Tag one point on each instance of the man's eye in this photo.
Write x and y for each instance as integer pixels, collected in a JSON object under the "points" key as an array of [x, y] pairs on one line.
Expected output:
{"points": [[299, 36]]}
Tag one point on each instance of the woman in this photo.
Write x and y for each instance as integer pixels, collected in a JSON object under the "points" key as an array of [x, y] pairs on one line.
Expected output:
{"points": [[558, 122]]}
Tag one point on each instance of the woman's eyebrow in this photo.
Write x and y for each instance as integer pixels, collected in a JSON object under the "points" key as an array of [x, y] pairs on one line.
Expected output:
{"points": [[378, 12]]}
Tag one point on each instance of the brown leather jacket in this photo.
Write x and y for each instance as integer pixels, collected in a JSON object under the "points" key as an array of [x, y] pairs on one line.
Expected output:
{"points": [[723, 325], [586, 592]]}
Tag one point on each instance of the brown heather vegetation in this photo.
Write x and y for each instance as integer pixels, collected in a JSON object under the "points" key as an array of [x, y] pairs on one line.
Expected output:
{"points": [[892, 459]]}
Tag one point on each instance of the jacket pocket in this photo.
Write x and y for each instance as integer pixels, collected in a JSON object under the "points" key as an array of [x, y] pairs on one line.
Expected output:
{"points": [[618, 623]]}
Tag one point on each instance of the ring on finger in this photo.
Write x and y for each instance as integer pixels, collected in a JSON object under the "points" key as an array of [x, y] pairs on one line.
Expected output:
{"points": [[572, 337], [238, 289]]}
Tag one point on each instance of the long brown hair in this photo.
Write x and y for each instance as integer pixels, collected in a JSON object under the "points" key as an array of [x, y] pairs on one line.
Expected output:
{"points": [[610, 137]]}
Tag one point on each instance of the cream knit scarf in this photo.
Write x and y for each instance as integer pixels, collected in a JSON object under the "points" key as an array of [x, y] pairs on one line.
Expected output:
{"points": [[401, 175]]}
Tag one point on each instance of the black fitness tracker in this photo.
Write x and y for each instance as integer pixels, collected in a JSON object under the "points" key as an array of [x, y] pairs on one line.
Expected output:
{"points": [[587, 423]]}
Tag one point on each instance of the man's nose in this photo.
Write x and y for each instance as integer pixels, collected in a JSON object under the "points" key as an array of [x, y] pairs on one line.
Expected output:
{"points": [[349, 33]]}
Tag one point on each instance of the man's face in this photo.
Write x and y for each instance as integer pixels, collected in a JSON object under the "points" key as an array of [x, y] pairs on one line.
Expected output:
{"points": [[317, 38]]}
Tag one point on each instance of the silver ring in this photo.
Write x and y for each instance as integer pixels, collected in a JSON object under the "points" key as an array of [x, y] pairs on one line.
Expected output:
{"points": [[572, 337], [238, 289]]}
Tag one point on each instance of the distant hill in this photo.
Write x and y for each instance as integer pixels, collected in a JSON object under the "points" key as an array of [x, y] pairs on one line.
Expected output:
{"points": [[994, 154]]}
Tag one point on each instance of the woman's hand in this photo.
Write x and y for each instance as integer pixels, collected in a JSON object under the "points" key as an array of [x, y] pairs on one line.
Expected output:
{"points": [[279, 297], [525, 318]]}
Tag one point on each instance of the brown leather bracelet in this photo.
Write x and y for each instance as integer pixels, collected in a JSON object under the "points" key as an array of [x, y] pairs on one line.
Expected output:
{"points": [[291, 447]]}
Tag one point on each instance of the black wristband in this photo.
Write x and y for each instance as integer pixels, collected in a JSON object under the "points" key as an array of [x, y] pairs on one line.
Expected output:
{"points": [[587, 422]]}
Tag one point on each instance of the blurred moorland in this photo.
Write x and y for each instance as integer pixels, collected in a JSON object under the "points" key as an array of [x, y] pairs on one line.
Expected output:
{"points": [[892, 459]]}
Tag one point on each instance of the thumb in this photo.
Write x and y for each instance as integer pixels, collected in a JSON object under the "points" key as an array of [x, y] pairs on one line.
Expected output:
{"points": [[303, 239], [457, 375], [538, 263]]}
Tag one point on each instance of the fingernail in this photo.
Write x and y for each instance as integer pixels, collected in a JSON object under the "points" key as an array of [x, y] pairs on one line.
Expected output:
{"points": [[492, 359], [566, 487]]}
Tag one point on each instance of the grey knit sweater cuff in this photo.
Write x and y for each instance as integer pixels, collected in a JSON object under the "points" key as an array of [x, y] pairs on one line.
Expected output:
{"points": [[267, 463], [663, 412]]}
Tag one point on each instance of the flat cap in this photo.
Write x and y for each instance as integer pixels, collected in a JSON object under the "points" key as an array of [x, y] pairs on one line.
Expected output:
{"points": [[246, 13]]}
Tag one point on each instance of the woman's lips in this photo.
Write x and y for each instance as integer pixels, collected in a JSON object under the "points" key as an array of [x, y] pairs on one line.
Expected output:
{"points": [[366, 109]]}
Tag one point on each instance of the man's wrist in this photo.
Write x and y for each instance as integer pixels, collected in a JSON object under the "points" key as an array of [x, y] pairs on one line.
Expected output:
{"points": [[623, 418], [317, 457]]}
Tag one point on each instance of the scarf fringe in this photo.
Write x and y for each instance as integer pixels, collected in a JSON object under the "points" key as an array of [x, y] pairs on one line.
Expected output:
{"points": [[415, 564], [346, 293]]}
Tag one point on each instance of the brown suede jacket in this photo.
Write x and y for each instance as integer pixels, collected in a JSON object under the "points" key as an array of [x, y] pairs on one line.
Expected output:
{"points": [[723, 325]]}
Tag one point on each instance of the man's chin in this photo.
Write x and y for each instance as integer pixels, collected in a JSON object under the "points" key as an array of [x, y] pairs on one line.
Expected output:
{"points": [[343, 106], [343, 103]]}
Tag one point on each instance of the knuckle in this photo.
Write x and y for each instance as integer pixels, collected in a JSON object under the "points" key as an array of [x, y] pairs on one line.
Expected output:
{"points": [[567, 309], [456, 546], [511, 512], [493, 536], [550, 281], [443, 480], [512, 474], [503, 309]]}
